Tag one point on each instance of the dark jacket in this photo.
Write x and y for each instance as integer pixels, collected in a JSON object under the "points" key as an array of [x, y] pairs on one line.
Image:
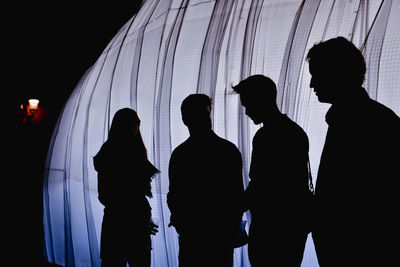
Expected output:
{"points": [[356, 191], [206, 186], [278, 192]]}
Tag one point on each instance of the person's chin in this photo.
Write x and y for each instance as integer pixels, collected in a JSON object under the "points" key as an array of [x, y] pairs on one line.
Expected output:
{"points": [[256, 121], [324, 100], [321, 98]]}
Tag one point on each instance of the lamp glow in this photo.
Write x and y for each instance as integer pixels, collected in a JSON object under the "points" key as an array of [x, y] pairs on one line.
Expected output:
{"points": [[33, 104]]}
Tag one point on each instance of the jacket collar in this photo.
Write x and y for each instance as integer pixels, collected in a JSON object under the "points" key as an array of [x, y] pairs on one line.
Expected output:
{"points": [[348, 109]]}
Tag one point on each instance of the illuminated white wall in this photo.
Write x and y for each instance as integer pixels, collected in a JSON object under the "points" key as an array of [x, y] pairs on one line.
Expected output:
{"points": [[170, 49]]}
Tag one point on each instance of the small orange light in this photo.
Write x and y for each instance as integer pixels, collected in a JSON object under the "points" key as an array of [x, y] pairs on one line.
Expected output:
{"points": [[33, 104]]}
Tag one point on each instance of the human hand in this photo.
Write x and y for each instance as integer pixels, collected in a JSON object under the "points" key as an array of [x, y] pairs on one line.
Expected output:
{"points": [[153, 228]]}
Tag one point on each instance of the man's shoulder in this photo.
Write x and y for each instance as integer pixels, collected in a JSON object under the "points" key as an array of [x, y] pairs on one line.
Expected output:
{"points": [[382, 111], [281, 126], [296, 130], [261, 134], [226, 143], [286, 131], [291, 124], [383, 119], [181, 148]]}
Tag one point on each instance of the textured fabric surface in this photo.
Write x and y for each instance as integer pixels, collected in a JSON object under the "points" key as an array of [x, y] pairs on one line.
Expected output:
{"points": [[172, 48]]}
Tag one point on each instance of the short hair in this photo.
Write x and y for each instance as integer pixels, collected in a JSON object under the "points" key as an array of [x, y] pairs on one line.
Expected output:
{"points": [[339, 56], [257, 86], [194, 104]]}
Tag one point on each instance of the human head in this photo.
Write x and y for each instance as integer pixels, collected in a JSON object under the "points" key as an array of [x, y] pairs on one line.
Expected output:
{"points": [[196, 112], [125, 124], [258, 96], [336, 66]]}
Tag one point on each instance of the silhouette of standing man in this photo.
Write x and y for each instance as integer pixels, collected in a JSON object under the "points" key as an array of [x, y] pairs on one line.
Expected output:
{"points": [[356, 191], [205, 189], [278, 194], [124, 177]]}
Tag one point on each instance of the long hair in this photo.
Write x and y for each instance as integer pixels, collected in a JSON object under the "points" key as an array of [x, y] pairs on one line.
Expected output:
{"points": [[123, 126], [122, 138]]}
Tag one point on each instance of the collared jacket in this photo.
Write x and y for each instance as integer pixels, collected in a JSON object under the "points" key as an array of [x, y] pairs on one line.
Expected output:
{"points": [[357, 192]]}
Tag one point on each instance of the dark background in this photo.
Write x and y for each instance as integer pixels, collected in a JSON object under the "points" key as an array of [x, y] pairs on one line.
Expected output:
{"points": [[48, 48], [56, 42]]}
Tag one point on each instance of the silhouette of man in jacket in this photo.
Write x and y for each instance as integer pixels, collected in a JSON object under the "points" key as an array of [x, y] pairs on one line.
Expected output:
{"points": [[278, 193], [356, 198], [205, 190]]}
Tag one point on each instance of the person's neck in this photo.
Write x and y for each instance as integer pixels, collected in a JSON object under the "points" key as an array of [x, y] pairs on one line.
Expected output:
{"points": [[271, 116], [353, 96], [199, 132]]}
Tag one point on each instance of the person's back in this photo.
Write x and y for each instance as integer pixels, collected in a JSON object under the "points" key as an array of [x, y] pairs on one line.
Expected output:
{"points": [[203, 173], [205, 191], [280, 205], [117, 163], [279, 166]]}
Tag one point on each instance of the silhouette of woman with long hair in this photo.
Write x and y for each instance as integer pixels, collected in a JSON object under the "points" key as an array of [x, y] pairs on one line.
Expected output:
{"points": [[124, 182]]}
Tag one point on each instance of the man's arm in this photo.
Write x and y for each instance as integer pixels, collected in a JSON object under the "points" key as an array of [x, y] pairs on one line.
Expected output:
{"points": [[172, 196]]}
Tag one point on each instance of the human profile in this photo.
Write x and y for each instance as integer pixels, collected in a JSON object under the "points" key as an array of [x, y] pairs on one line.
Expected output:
{"points": [[278, 193], [356, 193]]}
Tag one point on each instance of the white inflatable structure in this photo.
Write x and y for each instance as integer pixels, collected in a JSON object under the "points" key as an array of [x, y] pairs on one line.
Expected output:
{"points": [[172, 48]]}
